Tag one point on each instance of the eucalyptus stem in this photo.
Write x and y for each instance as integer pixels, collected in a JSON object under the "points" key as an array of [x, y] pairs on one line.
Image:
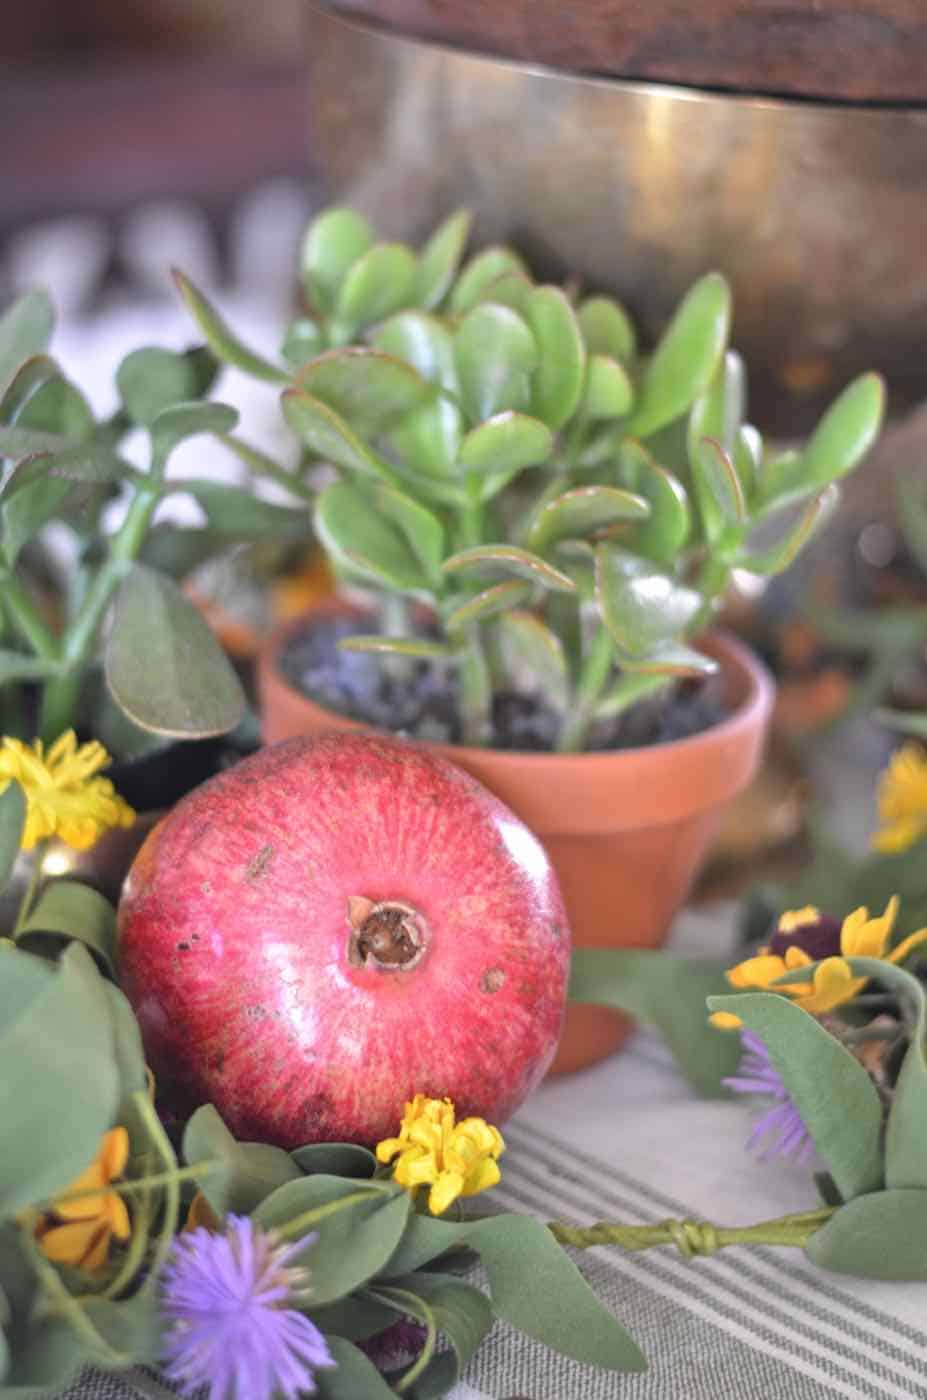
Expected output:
{"points": [[301, 1223], [592, 678], [695, 1238]]}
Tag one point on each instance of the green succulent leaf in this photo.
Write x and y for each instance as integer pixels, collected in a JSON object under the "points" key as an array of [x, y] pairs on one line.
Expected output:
{"points": [[528, 644], [686, 357], [366, 388], [67, 909], [31, 375], [717, 413], [557, 383], [366, 542], [839, 442], [834, 1094], [241, 1174], [479, 272], [512, 289], [150, 380], [668, 992], [238, 514], [25, 331], [354, 1243], [507, 442], [333, 243], [327, 434], [222, 340], [583, 512], [669, 659], [718, 487], [58, 406], [423, 530], [627, 690], [163, 665], [85, 464], [607, 329], [608, 391], [379, 645], [912, 517], [509, 559], [381, 281], [499, 598], [12, 821], [666, 530], [642, 607], [302, 342], [184, 420], [495, 352], [422, 341], [881, 1236], [428, 439], [18, 442], [748, 458], [440, 259], [19, 666], [777, 557]]}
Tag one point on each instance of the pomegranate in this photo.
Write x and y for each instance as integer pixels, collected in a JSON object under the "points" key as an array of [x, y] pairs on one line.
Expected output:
{"points": [[334, 925]]}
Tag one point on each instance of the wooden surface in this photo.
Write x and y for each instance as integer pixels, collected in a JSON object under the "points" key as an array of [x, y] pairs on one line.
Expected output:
{"points": [[851, 49]]}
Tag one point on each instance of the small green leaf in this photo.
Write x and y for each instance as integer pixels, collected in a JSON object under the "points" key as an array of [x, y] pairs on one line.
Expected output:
{"points": [[881, 1236], [70, 909], [12, 821], [748, 458], [607, 329], [18, 666], [499, 598], [163, 665], [845, 433], [557, 383], [479, 272], [529, 644], [381, 281], [335, 1159], [151, 380], [30, 375], [716, 413], [495, 352], [428, 439], [512, 289], [327, 434], [831, 1090], [302, 342], [440, 258], [184, 420], [911, 515], [423, 531], [506, 443], [777, 557], [582, 512], [58, 406], [421, 341], [222, 340], [663, 534], [718, 486], [642, 606], [249, 1171], [669, 992], [509, 559], [378, 645], [670, 659], [368, 543], [17, 442], [366, 388], [25, 330], [333, 243], [608, 392], [353, 1243], [686, 357]]}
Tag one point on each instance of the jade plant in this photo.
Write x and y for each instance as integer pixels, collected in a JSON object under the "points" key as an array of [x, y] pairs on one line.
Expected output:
{"points": [[118, 610], [528, 492]]}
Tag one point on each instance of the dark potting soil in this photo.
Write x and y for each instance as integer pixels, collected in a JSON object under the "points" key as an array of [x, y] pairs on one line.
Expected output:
{"points": [[418, 699]]}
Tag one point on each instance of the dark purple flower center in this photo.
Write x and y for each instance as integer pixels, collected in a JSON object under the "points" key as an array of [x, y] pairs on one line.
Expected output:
{"points": [[819, 940]]}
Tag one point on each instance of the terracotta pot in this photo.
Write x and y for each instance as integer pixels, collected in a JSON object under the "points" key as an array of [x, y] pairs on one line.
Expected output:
{"points": [[626, 830]]}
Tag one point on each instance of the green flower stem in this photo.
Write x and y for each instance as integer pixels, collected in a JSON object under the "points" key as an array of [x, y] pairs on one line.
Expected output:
{"points": [[695, 1237], [26, 618], [136, 1187], [59, 1299], [475, 688], [301, 1223], [592, 678]]}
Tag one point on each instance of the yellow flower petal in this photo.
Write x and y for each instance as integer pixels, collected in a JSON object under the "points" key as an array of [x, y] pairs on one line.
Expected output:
{"points": [[481, 1177], [862, 937], [433, 1150], [833, 985], [71, 1243], [445, 1191], [902, 799], [907, 945], [756, 972], [725, 1021], [114, 1153], [64, 797]]}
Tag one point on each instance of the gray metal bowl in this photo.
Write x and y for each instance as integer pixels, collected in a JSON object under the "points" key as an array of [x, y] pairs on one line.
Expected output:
{"points": [[816, 213]]}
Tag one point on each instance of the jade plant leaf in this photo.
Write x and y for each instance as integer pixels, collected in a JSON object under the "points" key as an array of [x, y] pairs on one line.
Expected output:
{"points": [[527, 642], [607, 329], [718, 488], [747, 455], [381, 281], [150, 380], [557, 385], [248, 1172], [495, 352], [31, 374], [686, 356], [882, 1236], [180, 421], [511, 289], [440, 259], [303, 341], [833, 1093], [479, 272], [84, 464], [641, 605], [20, 666], [912, 518], [25, 330], [509, 559], [67, 909], [422, 341], [18, 442], [423, 531], [669, 659], [841, 439], [583, 511], [354, 1243], [369, 543], [163, 665], [58, 406], [608, 391], [237, 513], [327, 434], [12, 821], [333, 243], [366, 388], [222, 340], [497, 599], [506, 443], [716, 413], [379, 645], [775, 558], [666, 530], [428, 439]]}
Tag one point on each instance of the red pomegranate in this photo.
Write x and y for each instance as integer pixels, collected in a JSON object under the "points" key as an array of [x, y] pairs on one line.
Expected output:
{"points": [[334, 925]]}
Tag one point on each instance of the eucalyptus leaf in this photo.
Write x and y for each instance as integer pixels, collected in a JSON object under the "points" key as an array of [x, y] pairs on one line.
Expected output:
{"points": [[184, 420], [368, 389], [12, 821], [163, 665], [74, 911], [368, 543], [527, 642], [509, 559], [222, 340], [506, 443], [557, 385], [496, 599], [584, 511], [354, 1376], [333, 243], [248, 1172], [686, 356], [354, 1318], [881, 1236], [607, 329], [354, 1243], [838, 1102], [381, 281], [25, 330], [494, 352], [440, 258], [479, 272], [642, 606], [335, 1159]]}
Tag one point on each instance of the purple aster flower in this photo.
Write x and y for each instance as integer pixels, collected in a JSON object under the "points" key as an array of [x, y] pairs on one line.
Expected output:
{"points": [[782, 1124], [229, 1327], [402, 1341]]}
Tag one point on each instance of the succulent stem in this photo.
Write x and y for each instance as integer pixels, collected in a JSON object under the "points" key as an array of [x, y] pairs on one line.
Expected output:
{"points": [[595, 671]]}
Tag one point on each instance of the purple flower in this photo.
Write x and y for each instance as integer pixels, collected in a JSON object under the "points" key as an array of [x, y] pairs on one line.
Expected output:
{"points": [[782, 1124], [229, 1327], [399, 1342]]}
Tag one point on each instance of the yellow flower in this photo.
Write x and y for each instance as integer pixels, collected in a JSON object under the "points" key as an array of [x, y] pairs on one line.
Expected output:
{"points": [[454, 1159], [902, 800], [79, 1232], [64, 797]]}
